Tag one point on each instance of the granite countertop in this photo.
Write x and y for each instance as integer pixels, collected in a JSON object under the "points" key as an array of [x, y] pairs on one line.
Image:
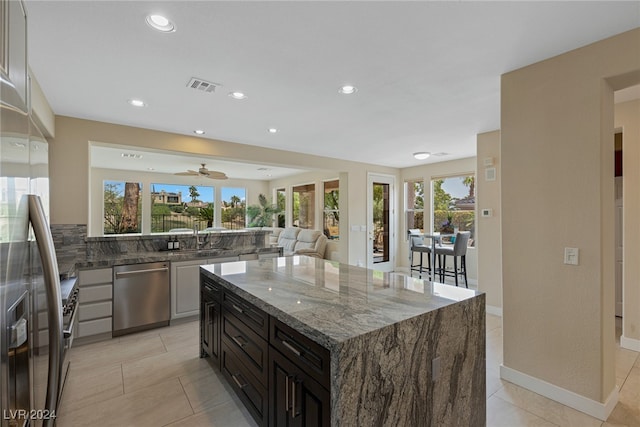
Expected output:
{"points": [[331, 302], [177, 255]]}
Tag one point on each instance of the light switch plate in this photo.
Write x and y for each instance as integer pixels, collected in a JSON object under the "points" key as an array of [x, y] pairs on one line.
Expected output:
{"points": [[487, 212], [571, 256]]}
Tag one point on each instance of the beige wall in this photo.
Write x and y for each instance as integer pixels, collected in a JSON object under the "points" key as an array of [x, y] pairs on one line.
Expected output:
{"points": [[557, 191], [427, 173], [488, 230], [627, 117], [69, 168]]}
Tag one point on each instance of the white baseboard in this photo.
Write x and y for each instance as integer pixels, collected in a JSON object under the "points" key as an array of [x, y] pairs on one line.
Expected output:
{"points": [[568, 398], [492, 309], [629, 343]]}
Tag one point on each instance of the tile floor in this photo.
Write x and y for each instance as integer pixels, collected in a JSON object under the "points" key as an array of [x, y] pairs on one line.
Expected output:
{"points": [[155, 378]]}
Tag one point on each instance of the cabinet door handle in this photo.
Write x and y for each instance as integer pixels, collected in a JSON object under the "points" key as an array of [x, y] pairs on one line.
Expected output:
{"points": [[293, 398], [292, 348], [212, 312], [237, 308], [238, 383], [286, 393], [237, 341]]}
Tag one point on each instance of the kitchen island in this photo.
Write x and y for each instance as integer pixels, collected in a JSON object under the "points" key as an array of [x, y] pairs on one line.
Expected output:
{"points": [[305, 341]]}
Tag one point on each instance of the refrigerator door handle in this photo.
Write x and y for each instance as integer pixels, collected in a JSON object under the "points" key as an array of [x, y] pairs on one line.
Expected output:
{"points": [[47, 251]]}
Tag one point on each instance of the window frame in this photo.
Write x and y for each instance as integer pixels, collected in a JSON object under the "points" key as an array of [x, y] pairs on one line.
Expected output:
{"points": [[311, 211], [412, 210], [333, 212]]}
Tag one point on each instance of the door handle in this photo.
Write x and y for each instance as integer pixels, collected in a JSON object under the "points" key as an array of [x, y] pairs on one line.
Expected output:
{"points": [[131, 273], [237, 341], [238, 383]]}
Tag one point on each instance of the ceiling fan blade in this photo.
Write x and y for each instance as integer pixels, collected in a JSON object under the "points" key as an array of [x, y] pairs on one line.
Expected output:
{"points": [[216, 175], [187, 173]]}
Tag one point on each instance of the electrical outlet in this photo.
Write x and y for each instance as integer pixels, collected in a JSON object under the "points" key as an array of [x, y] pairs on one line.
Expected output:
{"points": [[435, 369], [571, 256]]}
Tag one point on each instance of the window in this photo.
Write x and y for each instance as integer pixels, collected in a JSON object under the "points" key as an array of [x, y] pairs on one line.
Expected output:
{"points": [[281, 197], [414, 204], [454, 203], [122, 204], [234, 208], [304, 197], [181, 206], [332, 209]]}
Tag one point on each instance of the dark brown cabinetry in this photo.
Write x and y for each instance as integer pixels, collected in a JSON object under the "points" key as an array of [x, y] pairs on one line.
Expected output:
{"points": [[296, 399], [245, 353], [210, 316], [281, 376], [299, 379]]}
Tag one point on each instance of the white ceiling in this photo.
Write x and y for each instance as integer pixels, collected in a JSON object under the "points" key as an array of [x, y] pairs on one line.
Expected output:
{"points": [[427, 73]]}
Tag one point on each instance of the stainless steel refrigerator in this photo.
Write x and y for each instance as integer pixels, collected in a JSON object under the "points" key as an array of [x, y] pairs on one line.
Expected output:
{"points": [[32, 339]]}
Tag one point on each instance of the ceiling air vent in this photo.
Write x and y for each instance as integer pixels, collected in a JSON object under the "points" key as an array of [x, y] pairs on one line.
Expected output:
{"points": [[202, 85]]}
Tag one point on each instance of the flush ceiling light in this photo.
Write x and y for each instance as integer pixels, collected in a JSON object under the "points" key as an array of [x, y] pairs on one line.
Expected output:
{"points": [[347, 90], [137, 103], [421, 155], [238, 95], [198, 132], [273, 130], [160, 23]]}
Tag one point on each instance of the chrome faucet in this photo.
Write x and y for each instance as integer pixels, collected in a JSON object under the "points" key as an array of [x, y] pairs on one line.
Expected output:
{"points": [[195, 233]]}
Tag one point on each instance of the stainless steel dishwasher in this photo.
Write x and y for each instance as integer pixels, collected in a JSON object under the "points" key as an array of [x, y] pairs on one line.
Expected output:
{"points": [[141, 297]]}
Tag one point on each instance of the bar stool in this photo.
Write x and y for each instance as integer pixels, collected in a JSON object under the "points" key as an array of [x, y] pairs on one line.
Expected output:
{"points": [[417, 245], [458, 250]]}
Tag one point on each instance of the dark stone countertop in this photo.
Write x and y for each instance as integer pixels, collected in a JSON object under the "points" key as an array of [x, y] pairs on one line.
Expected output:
{"points": [[177, 255]]}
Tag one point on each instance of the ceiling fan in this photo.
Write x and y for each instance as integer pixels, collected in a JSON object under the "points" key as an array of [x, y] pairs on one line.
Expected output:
{"points": [[204, 172]]}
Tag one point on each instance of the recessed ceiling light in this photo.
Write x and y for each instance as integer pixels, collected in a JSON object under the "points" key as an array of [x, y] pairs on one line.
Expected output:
{"points": [[347, 89], [137, 103], [238, 95], [198, 132], [421, 155], [273, 130], [160, 23]]}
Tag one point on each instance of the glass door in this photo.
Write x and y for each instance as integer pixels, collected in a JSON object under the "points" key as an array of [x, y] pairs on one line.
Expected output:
{"points": [[380, 223]]}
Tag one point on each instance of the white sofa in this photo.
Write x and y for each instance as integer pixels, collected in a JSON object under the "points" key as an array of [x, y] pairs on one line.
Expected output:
{"points": [[298, 241]]}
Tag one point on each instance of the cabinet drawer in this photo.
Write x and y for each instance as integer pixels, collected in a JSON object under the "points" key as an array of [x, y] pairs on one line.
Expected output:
{"points": [[307, 354], [94, 277], [94, 327], [95, 310], [211, 288], [247, 344], [249, 314], [251, 392], [96, 293]]}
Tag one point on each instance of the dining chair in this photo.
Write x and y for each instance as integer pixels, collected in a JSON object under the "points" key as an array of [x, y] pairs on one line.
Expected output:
{"points": [[416, 242], [458, 250]]}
